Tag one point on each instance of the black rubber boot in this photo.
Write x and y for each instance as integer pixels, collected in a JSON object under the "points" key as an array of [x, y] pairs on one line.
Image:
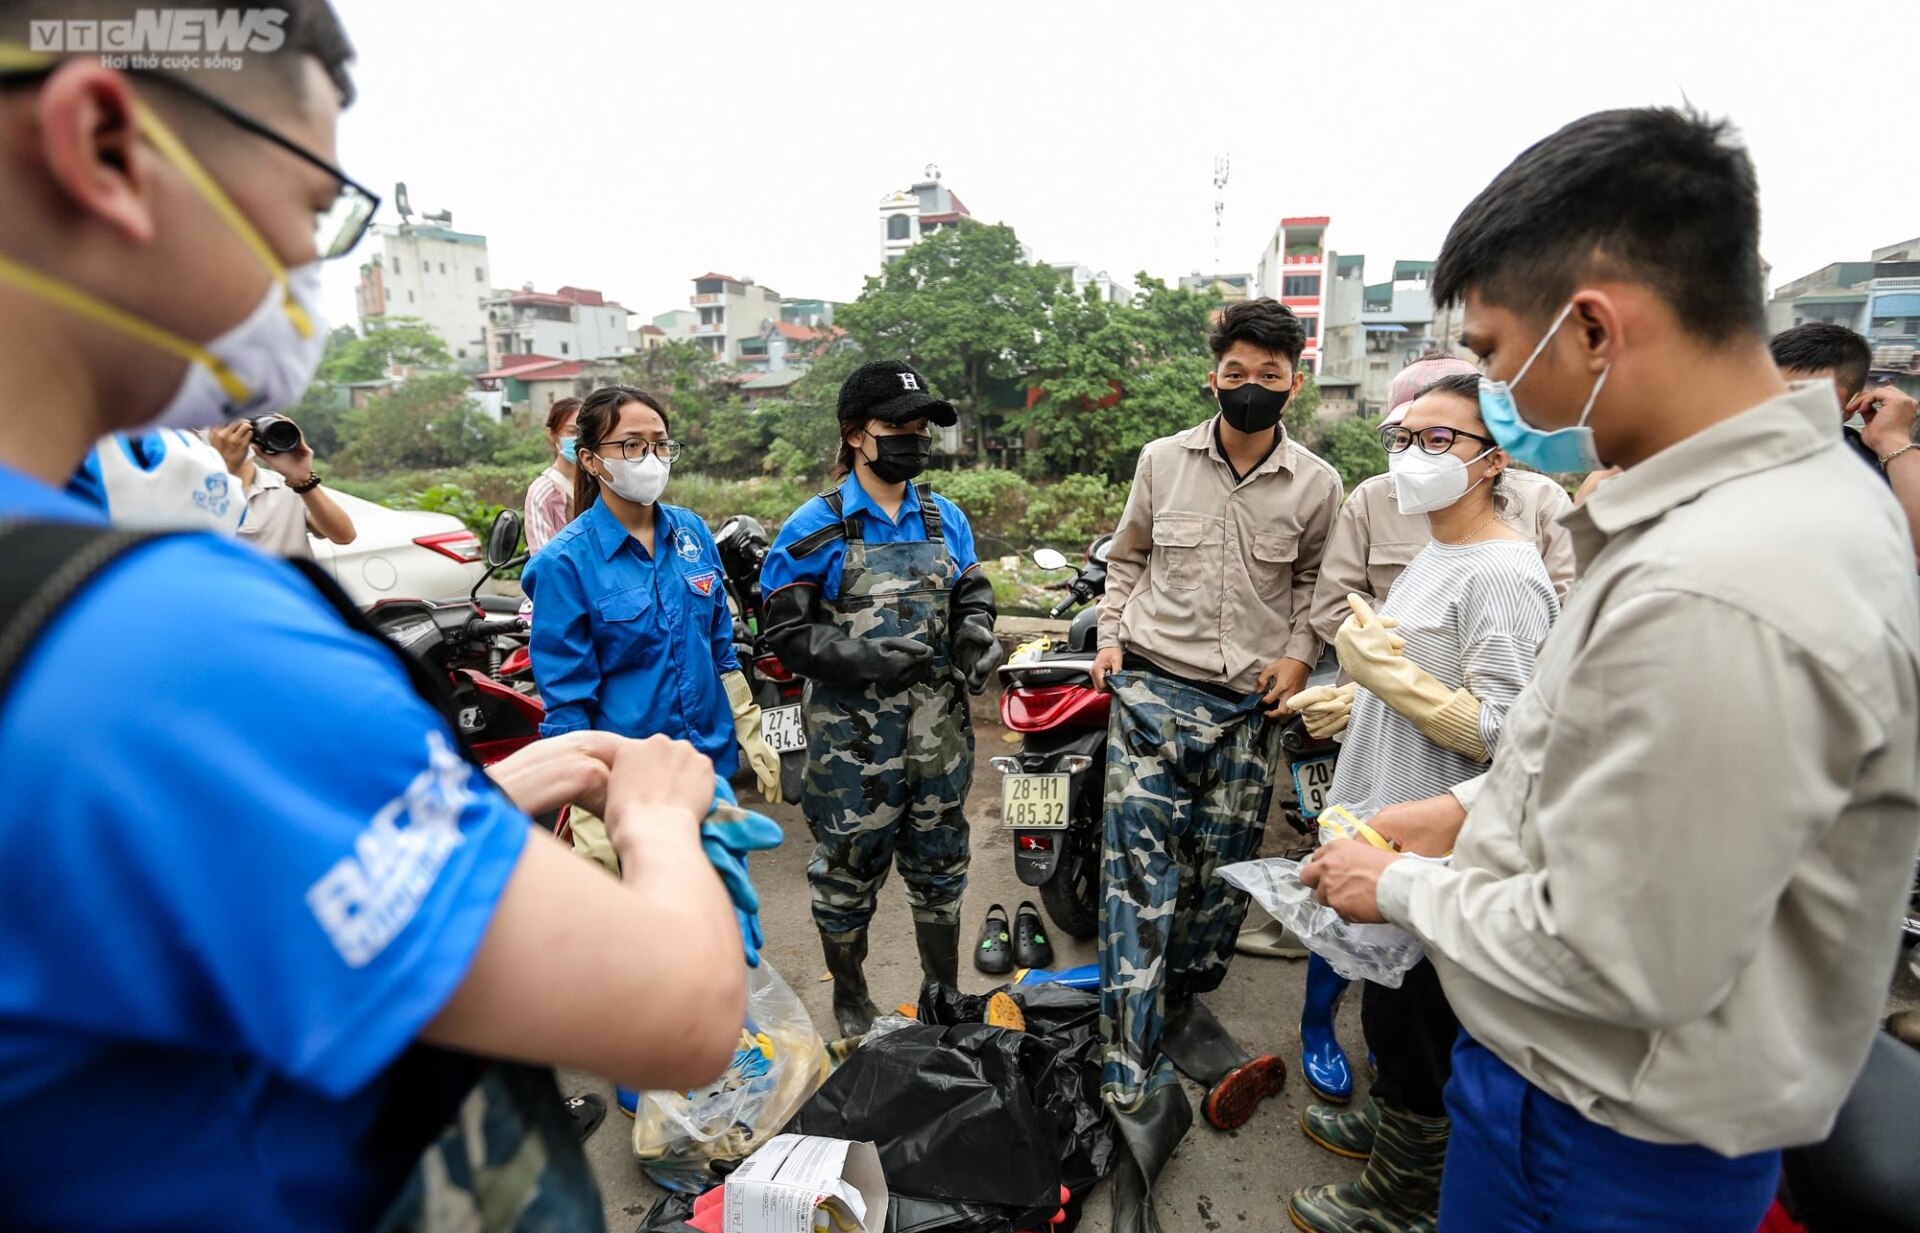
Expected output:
{"points": [[1148, 1136], [1204, 1051], [939, 953], [853, 1008]]}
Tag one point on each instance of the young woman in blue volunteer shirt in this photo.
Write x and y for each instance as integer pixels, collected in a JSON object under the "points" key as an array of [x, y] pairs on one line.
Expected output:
{"points": [[874, 595], [631, 632]]}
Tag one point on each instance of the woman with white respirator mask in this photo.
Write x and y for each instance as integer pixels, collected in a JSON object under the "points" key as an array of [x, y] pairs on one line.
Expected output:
{"points": [[1434, 673]]}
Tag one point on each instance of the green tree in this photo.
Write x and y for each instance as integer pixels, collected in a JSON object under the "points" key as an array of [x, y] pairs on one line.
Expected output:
{"points": [[805, 425], [426, 422], [388, 343], [1111, 377], [964, 307], [1302, 415], [1353, 447], [684, 376]]}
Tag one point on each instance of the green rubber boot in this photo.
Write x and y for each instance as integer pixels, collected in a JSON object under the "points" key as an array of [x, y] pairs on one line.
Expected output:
{"points": [[1342, 1131], [1398, 1193]]}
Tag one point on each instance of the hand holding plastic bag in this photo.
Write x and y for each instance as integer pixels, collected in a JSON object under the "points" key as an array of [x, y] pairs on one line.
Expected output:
{"points": [[1379, 953]]}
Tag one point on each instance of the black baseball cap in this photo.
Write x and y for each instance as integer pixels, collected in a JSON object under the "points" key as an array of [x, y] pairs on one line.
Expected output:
{"points": [[891, 391]]}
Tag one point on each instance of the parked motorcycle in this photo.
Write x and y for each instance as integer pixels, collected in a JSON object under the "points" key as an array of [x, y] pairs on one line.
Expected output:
{"points": [[466, 639], [743, 549], [1053, 792]]}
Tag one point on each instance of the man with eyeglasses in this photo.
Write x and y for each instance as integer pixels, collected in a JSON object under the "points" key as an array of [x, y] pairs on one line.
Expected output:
{"points": [[1204, 634], [249, 956]]}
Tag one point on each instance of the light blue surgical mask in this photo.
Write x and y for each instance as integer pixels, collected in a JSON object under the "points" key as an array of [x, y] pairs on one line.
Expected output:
{"points": [[1564, 449], [569, 447]]}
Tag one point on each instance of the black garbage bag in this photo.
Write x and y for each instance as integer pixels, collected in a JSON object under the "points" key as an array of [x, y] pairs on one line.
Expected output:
{"points": [[977, 1127], [669, 1215]]}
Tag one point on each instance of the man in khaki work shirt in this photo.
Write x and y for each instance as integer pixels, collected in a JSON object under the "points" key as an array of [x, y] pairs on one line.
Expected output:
{"points": [[1672, 909], [1203, 633], [1373, 542]]}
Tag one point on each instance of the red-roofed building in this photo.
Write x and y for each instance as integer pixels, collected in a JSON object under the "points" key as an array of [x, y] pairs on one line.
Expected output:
{"points": [[533, 383], [573, 323]]}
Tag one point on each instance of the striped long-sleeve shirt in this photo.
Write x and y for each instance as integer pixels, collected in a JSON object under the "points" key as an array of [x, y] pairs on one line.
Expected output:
{"points": [[549, 507], [1474, 616]]}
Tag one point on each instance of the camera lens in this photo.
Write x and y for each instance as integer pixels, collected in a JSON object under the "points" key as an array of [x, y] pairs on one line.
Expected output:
{"points": [[275, 434]]}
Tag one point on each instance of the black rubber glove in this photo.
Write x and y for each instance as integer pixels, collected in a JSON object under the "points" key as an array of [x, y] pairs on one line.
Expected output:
{"points": [[796, 629], [971, 613]]}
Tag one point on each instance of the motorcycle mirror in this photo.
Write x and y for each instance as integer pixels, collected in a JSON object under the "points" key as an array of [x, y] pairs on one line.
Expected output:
{"points": [[504, 540], [1097, 551], [1048, 558]]}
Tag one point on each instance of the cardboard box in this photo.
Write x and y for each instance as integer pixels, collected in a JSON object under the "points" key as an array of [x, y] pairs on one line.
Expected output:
{"points": [[779, 1186]]}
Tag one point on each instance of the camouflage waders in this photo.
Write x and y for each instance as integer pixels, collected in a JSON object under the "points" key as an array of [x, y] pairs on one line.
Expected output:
{"points": [[888, 772], [1189, 779]]}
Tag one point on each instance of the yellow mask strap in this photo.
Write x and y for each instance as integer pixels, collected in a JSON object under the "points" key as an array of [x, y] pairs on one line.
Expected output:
{"points": [[79, 302]]}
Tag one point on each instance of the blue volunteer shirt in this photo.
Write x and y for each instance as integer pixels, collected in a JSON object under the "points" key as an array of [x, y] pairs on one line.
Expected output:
{"points": [[626, 642], [244, 868], [822, 567]]}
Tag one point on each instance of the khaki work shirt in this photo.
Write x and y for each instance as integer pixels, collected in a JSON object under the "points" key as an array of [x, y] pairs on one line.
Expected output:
{"points": [[1373, 542], [1675, 901], [1213, 579]]}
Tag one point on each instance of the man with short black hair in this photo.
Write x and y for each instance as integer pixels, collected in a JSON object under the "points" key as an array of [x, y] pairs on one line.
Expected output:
{"points": [[1879, 423], [1204, 632], [1670, 913]]}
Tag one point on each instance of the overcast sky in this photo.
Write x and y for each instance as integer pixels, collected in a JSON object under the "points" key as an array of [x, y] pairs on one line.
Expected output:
{"points": [[631, 146]]}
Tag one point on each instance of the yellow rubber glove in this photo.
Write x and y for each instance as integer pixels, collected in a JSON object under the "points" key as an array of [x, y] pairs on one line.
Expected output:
{"points": [[746, 729], [1325, 709], [1375, 657]]}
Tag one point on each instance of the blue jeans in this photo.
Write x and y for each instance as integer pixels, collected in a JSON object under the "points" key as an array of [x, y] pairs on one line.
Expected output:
{"points": [[1519, 1161]]}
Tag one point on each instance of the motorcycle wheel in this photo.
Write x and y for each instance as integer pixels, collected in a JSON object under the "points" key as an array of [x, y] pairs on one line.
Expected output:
{"points": [[1072, 894]]}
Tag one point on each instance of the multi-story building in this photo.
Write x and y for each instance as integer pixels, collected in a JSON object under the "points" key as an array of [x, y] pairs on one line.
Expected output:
{"points": [[677, 324], [1225, 288], [1078, 277], [908, 216], [815, 313], [1295, 268], [573, 323], [1373, 331], [429, 271], [730, 311], [1879, 298]]}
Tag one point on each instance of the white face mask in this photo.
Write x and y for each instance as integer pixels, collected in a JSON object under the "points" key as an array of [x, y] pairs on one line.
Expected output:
{"points": [[641, 481], [1424, 482], [267, 353]]}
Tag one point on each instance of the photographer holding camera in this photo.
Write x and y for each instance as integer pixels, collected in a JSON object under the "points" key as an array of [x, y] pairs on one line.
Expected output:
{"points": [[284, 497]]}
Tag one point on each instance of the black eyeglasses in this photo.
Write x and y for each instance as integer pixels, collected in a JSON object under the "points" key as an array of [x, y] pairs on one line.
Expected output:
{"points": [[336, 230], [634, 447], [1436, 440]]}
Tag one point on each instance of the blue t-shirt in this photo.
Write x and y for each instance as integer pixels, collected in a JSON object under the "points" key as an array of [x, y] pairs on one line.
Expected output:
{"points": [[624, 642], [245, 866], [822, 567]]}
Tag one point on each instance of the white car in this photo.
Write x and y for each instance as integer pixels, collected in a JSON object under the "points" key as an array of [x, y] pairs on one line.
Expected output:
{"points": [[401, 553]]}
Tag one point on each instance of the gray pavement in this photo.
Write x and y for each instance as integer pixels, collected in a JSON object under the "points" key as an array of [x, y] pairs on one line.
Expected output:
{"points": [[1216, 1181]]}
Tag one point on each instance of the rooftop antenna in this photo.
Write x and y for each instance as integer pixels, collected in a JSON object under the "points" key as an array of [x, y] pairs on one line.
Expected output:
{"points": [[400, 204], [1220, 168]]}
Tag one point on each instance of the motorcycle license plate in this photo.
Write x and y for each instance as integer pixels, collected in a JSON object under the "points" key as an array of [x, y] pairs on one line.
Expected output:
{"points": [[1312, 781], [1034, 802], [783, 730]]}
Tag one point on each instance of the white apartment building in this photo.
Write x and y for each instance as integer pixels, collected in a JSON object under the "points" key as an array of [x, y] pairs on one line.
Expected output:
{"points": [[573, 323], [435, 274], [729, 311], [908, 216]]}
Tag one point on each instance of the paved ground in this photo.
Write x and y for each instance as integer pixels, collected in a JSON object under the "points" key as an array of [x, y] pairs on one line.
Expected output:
{"points": [[1232, 1182]]}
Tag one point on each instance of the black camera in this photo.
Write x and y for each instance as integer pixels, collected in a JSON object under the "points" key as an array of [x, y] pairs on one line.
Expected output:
{"points": [[275, 434]]}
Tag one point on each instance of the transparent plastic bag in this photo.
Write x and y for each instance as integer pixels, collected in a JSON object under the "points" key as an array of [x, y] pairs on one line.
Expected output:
{"points": [[678, 1136], [1382, 954]]}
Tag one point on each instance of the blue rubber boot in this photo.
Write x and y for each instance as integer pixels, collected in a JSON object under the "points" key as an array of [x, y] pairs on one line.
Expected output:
{"points": [[628, 1101], [1322, 1061]]}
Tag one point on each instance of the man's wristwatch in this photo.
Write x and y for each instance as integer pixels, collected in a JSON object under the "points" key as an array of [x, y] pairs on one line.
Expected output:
{"points": [[1890, 457], [308, 485]]}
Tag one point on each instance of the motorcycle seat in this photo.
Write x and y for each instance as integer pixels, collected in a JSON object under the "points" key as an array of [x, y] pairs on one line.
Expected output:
{"points": [[1866, 1176]]}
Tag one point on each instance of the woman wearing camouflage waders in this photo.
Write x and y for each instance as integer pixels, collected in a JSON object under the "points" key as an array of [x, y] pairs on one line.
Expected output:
{"points": [[874, 595]]}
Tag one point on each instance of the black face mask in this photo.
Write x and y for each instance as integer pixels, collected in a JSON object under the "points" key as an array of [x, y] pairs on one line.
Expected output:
{"points": [[1252, 407], [898, 459]]}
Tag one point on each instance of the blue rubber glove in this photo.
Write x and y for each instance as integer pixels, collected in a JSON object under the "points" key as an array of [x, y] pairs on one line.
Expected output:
{"points": [[727, 836]]}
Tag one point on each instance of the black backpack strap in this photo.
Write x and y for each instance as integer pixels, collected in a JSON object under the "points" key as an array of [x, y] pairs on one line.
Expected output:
{"points": [[929, 511], [842, 527], [43, 565]]}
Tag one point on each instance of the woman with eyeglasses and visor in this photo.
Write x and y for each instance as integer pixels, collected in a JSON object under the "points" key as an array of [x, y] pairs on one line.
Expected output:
{"points": [[1433, 675], [631, 630]]}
